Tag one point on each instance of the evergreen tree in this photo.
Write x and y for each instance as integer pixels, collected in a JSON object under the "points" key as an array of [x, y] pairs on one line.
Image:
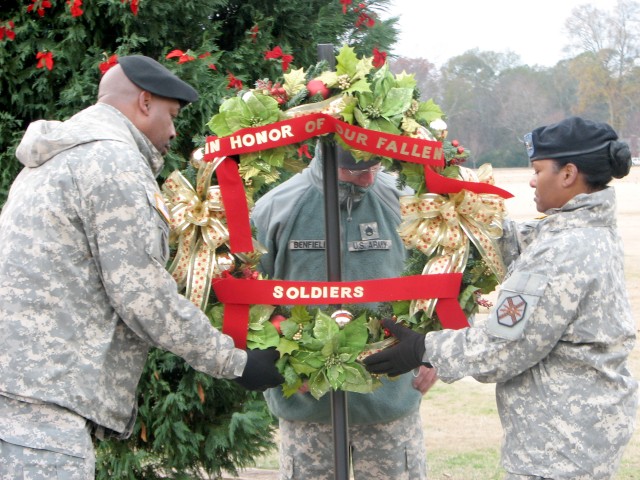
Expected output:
{"points": [[52, 54]]}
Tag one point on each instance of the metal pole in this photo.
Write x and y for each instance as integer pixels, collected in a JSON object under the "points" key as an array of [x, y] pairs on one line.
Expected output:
{"points": [[334, 273]]}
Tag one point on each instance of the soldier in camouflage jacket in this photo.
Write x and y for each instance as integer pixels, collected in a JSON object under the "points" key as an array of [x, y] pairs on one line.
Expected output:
{"points": [[558, 339], [83, 286]]}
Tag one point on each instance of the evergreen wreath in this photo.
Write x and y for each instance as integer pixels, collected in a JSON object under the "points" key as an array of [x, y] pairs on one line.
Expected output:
{"points": [[444, 232]]}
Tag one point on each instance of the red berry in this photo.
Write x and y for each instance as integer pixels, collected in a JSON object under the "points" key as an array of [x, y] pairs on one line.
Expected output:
{"points": [[460, 149], [455, 143]]}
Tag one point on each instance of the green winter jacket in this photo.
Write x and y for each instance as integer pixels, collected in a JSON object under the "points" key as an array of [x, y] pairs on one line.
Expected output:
{"points": [[289, 221]]}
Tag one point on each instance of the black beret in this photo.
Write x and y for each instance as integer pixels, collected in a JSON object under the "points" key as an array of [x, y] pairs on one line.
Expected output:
{"points": [[570, 137], [155, 78], [348, 161]]}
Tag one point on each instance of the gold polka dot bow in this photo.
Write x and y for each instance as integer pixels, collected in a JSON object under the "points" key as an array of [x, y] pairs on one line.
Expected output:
{"points": [[198, 229], [444, 226]]}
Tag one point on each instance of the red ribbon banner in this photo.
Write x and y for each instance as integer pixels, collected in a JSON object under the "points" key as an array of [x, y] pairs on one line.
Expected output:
{"points": [[298, 129], [238, 294], [235, 206], [416, 150]]}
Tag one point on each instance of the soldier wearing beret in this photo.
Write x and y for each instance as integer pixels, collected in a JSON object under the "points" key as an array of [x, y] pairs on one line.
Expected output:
{"points": [[557, 341], [83, 288]]}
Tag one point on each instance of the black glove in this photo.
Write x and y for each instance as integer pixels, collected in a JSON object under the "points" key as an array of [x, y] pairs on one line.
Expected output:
{"points": [[260, 372], [402, 357]]}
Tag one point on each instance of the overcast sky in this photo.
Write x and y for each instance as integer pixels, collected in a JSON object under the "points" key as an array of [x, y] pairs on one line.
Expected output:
{"points": [[441, 29]]}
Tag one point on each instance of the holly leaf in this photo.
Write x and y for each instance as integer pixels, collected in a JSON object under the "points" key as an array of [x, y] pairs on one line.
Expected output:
{"points": [[363, 67], [409, 125], [289, 389], [295, 81], [346, 62], [299, 314], [428, 112], [329, 78], [361, 85], [286, 346], [405, 80]]}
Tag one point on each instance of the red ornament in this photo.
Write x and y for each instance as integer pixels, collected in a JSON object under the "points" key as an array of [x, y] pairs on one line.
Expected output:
{"points": [[276, 320], [460, 150], [316, 87], [455, 143]]}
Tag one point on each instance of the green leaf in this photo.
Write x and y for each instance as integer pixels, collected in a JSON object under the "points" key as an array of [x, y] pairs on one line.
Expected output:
{"points": [[346, 61], [382, 82], [289, 328], [355, 335], [325, 328], [286, 346], [405, 80], [331, 344], [264, 338], [361, 85], [263, 109], [311, 360], [289, 389], [295, 81], [396, 102], [299, 314], [383, 125], [428, 112], [401, 307], [318, 385]]}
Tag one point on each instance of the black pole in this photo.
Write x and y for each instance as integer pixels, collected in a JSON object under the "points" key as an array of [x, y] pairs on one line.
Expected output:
{"points": [[334, 274]]}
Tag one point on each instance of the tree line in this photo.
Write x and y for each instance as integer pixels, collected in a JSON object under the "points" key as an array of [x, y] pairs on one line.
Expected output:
{"points": [[491, 99]]}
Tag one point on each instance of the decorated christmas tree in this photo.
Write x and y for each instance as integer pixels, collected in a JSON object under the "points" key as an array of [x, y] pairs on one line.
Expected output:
{"points": [[52, 55]]}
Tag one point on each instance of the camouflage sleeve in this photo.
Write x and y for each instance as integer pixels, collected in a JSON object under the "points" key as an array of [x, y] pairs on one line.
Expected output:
{"points": [[129, 238], [515, 238], [520, 331]]}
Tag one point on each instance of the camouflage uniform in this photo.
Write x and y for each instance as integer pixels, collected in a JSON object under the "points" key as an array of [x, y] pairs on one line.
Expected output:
{"points": [[392, 450], [556, 344], [83, 282]]}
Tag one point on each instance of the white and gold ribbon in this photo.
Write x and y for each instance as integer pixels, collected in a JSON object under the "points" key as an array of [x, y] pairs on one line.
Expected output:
{"points": [[198, 229], [443, 226]]}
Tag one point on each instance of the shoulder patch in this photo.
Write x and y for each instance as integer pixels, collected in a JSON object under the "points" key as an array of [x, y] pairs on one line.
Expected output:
{"points": [[517, 301]]}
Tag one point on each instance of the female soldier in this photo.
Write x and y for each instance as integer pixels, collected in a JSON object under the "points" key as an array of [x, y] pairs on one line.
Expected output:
{"points": [[557, 342]]}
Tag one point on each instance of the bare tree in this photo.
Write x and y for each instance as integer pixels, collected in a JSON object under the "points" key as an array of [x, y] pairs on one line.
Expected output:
{"points": [[607, 45]]}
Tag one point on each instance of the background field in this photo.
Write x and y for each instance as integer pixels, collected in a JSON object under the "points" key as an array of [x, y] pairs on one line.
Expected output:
{"points": [[462, 428]]}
